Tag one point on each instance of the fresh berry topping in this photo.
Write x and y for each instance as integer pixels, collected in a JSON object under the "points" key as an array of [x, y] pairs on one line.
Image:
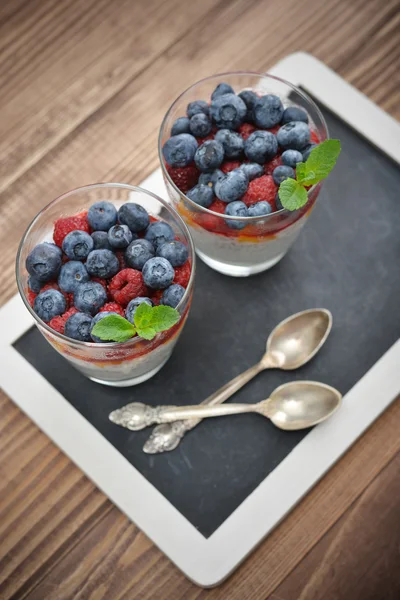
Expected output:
{"points": [[101, 281], [78, 327], [132, 306], [65, 225], [259, 209], [246, 130], [227, 167], [210, 179], [209, 156], [77, 245], [249, 98], [120, 236], [261, 146], [181, 125], [307, 150], [156, 296], [228, 111], [49, 304], [158, 273], [201, 194], [96, 319], [179, 150], [71, 275], [197, 107], [172, 295], [232, 186], [102, 263], [58, 323], [267, 111], [290, 158], [89, 297], [100, 240], [207, 138], [236, 209], [294, 135], [121, 259], [34, 284], [252, 170], [281, 173], [182, 274], [30, 296], [134, 216], [294, 113], [113, 307], [222, 89], [158, 233], [102, 215], [231, 141], [184, 177], [126, 285], [43, 262], [138, 253], [262, 188], [314, 137], [271, 165], [200, 125], [175, 252], [218, 207]]}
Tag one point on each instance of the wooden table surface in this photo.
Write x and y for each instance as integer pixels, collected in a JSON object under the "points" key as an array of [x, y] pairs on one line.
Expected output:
{"points": [[84, 86]]}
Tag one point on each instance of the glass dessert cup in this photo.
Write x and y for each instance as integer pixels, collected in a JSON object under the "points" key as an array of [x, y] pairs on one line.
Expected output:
{"points": [[115, 364], [259, 242]]}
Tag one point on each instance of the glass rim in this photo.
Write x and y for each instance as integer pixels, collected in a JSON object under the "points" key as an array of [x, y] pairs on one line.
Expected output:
{"points": [[248, 220], [127, 186]]}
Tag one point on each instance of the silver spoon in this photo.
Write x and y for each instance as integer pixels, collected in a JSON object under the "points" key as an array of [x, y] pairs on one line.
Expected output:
{"points": [[292, 406]]}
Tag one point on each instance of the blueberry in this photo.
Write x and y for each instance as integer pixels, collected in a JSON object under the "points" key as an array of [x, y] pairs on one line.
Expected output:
{"points": [[211, 178], [209, 155], [102, 263], [134, 216], [259, 209], [158, 273], [278, 202], [261, 146], [267, 111], [233, 186], [252, 170], [138, 253], [200, 125], [222, 89], [100, 240], [196, 107], [158, 233], [71, 275], [49, 304], [180, 149], [96, 319], [249, 98], [172, 295], [175, 252], [201, 194], [132, 306], [231, 141], [281, 173], [54, 247], [102, 215], [236, 209], [77, 245], [228, 111], [294, 135], [181, 125], [78, 327], [290, 158], [120, 236], [89, 297], [34, 284], [43, 262], [294, 113], [307, 150]]}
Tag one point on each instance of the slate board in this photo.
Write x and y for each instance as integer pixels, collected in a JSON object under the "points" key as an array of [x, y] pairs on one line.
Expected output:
{"points": [[346, 260]]}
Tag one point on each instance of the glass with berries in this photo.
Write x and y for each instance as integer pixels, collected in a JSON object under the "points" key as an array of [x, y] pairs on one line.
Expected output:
{"points": [[100, 250], [225, 146]]}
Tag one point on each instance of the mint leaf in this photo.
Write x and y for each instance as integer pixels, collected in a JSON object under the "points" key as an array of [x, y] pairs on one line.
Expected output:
{"points": [[292, 194], [114, 328], [143, 315], [319, 164], [146, 332], [164, 317]]}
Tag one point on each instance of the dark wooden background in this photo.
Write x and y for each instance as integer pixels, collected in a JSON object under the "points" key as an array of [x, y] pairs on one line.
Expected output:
{"points": [[84, 85]]}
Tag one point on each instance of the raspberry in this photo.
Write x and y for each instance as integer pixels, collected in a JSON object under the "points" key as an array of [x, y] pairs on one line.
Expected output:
{"points": [[274, 129], [121, 259], [262, 188], [218, 206], [226, 167], [31, 297], [113, 307], [126, 285], [156, 296], [272, 164], [65, 225], [314, 137], [58, 323], [246, 129], [185, 177], [182, 274]]}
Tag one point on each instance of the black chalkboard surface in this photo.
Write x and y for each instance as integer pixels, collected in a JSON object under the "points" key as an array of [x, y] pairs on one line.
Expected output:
{"points": [[346, 260]]}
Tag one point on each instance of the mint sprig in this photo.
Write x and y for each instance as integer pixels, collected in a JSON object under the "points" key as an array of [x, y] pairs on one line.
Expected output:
{"points": [[148, 321], [319, 164]]}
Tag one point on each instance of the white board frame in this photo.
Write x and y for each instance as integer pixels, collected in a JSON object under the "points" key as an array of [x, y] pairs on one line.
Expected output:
{"points": [[207, 562]]}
